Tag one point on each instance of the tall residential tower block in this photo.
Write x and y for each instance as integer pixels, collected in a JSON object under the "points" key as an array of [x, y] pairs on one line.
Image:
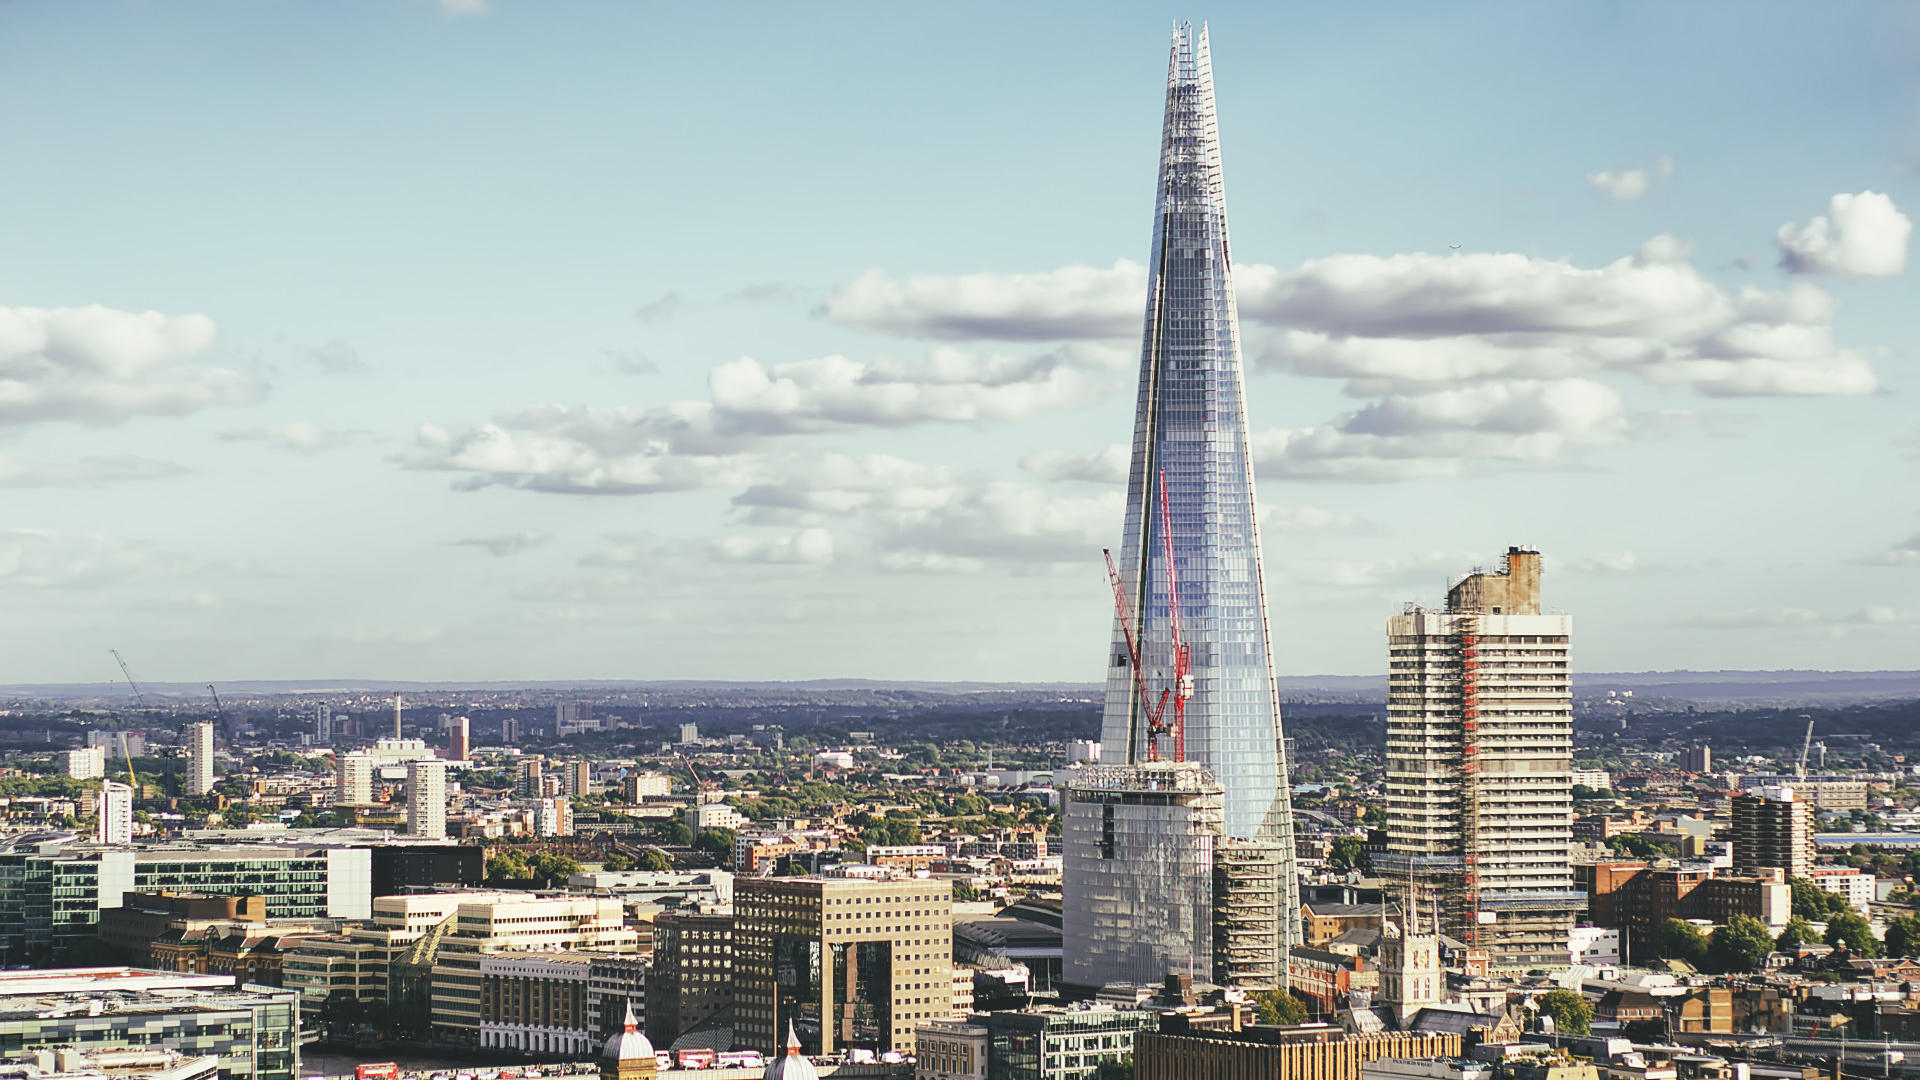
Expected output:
{"points": [[1479, 764]]}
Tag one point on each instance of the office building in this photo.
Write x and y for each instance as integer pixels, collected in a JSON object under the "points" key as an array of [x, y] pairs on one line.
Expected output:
{"points": [[459, 738], [950, 1050], [1180, 1052], [353, 779], [691, 979], [358, 962], [1190, 497], [253, 1031], [1772, 830], [52, 891], [850, 963], [86, 763], [1479, 764], [199, 758], [520, 924], [536, 1002], [116, 814], [412, 868], [1824, 791], [1139, 846], [427, 799], [1051, 1043]]}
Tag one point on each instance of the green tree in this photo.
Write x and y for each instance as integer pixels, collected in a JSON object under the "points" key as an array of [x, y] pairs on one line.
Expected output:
{"points": [[1903, 936], [1797, 932], [1349, 853], [1853, 930], [1683, 941], [508, 868], [1115, 1069], [655, 860], [1279, 1007], [1740, 945], [548, 870], [1571, 1013], [617, 863], [679, 833], [717, 843], [1810, 901]]}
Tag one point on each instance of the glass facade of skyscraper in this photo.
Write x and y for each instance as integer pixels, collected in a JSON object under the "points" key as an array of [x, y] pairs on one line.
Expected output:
{"points": [[1191, 428]]}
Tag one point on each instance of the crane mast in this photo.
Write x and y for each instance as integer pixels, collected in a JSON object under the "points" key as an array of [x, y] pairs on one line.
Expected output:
{"points": [[1155, 705], [137, 695]]}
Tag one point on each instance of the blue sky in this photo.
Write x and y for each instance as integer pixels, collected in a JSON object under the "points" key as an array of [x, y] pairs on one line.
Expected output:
{"points": [[548, 340]]}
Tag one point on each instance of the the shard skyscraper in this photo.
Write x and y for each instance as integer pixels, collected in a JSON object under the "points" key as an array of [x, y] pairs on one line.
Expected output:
{"points": [[1168, 868]]}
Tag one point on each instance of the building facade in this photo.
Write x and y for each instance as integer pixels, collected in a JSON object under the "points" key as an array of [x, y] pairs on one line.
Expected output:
{"points": [[427, 799], [850, 963], [692, 974], [253, 1031], [1479, 764], [1139, 844], [521, 924], [1772, 830], [1060, 1044], [199, 758], [116, 814], [1190, 500]]}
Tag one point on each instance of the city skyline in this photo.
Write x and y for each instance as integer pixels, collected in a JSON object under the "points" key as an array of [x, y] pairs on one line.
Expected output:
{"points": [[849, 391]]}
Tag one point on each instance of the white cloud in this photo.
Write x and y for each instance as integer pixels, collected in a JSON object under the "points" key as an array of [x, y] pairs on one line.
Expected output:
{"points": [[997, 522], [1832, 623], [1309, 519], [87, 472], [465, 7], [662, 309], [1622, 562], [299, 436], [1109, 465], [1623, 186], [687, 445], [1862, 235], [1386, 322], [97, 365], [40, 558], [811, 547], [1074, 302], [511, 544], [1407, 436], [948, 386]]}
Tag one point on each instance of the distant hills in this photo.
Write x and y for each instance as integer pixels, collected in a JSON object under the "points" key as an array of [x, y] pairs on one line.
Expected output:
{"points": [[1646, 687]]}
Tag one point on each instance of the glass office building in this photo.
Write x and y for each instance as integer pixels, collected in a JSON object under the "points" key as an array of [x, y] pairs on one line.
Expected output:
{"points": [[1190, 429]]}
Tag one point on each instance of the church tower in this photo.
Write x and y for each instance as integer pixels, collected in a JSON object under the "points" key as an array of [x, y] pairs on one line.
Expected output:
{"points": [[628, 1055]]}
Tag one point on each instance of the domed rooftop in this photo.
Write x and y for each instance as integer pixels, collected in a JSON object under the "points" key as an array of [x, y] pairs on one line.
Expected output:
{"points": [[630, 1044], [793, 1065]]}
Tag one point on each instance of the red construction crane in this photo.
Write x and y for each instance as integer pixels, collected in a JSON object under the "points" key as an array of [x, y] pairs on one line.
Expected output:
{"points": [[1155, 706]]}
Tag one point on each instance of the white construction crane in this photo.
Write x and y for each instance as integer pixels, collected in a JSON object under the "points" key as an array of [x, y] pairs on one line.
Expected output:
{"points": [[1800, 773]]}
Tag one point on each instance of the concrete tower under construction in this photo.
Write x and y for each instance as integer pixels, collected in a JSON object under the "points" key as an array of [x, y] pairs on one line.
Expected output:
{"points": [[1479, 765], [1179, 848]]}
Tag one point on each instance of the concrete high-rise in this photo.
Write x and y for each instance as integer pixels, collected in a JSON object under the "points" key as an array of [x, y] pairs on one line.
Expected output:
{"points": [[199, 758], [354, 779], [1191, 539], [459, 738], [427, 798], [116, 814], [1479, 764], [1772, 830]]}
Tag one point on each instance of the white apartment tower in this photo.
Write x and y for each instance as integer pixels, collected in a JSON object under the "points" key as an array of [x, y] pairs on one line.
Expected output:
{"points": [[1479, 764], [427, 798], [354, 785], [199, 758], [116, 814]]}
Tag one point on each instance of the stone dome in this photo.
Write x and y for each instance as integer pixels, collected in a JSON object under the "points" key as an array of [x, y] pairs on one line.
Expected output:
{"points": [[792, 1065], [630, 1043]]}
